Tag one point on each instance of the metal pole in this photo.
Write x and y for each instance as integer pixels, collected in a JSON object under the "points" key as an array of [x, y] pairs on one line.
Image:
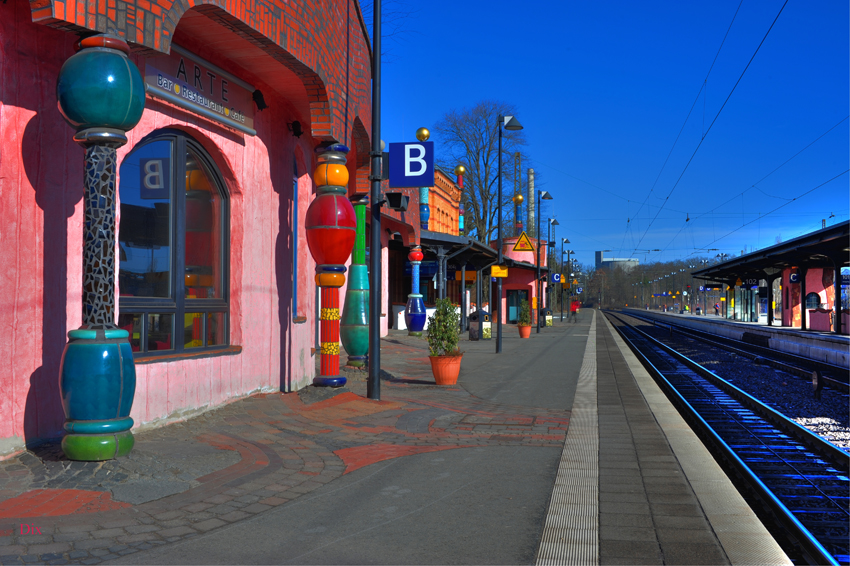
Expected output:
{"points": [[499, 240], [463, 298], [373, 385], [538, 287]]}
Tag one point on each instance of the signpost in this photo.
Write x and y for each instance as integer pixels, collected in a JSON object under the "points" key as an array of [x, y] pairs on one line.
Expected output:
{"points": [[411, 164], [556, 278], [498, 271], [523, 244]]}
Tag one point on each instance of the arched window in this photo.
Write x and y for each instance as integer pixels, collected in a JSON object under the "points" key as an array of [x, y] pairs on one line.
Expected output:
{"points": [[812, 301], [172, 237]]}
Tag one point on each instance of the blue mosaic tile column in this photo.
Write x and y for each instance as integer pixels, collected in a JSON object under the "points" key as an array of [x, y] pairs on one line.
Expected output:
{"points": [[101, 94]]}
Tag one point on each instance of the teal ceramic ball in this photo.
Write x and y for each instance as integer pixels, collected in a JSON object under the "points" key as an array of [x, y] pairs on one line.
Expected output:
{"points": [[100, 88]]}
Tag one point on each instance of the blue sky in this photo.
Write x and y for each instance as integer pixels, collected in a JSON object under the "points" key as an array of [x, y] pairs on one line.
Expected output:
{"points": [[603, 89]]}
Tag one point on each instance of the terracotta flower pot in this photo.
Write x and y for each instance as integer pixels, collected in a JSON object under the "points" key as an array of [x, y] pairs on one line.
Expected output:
{"points": [[446, 368], [524, 331]]}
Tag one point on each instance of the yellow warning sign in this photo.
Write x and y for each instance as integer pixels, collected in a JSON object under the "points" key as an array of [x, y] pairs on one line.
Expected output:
{"points": [[575, 281], [498, 271], [738, 283], [523, 244]]}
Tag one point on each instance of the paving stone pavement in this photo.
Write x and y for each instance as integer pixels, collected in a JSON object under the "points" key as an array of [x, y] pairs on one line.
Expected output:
{"points": [[245, 458]]}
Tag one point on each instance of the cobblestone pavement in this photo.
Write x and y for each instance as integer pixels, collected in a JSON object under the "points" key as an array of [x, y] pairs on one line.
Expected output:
{"points": [[246, 458]]}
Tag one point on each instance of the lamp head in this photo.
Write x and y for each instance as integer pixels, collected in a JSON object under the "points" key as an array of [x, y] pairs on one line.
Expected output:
{"points": [[511, 123], [544, 195], [554, 222], [422, 134]]}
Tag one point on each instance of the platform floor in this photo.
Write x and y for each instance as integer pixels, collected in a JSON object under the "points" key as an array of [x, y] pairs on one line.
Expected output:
{"points": [[559, 450], [662, 499]]}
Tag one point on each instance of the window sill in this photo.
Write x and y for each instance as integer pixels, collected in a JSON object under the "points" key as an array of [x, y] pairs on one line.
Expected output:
{"points": [[151, 359]]}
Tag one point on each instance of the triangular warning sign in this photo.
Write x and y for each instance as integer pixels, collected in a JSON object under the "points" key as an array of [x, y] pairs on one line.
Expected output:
{"points": [[523, 244], [575, 281]]}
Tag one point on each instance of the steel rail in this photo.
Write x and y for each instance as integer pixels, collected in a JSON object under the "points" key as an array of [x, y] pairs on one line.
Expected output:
{"points": [[771, 356], [808, 544]]}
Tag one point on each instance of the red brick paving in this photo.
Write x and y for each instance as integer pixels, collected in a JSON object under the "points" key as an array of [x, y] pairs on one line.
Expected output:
{"points": [[287, 448], [55, 502]]}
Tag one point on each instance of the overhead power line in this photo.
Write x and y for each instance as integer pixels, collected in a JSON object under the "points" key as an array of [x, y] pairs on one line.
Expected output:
{"points": [[783, 205], [753, 186], [688, 117], [676, 184]]}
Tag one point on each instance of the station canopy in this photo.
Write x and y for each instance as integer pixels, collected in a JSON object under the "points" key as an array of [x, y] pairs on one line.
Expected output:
{"points": [[464, 250], [825, 248]]}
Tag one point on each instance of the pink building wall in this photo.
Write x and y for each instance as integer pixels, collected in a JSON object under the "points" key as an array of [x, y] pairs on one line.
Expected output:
{"points": [[518, 278], [792, 308], [41, 182]]}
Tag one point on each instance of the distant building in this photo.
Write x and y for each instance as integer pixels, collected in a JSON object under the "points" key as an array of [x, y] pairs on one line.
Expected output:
{"points": [[611, 262]]}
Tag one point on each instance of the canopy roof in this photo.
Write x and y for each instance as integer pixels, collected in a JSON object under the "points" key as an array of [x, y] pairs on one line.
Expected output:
{"points": [[828, 247]]}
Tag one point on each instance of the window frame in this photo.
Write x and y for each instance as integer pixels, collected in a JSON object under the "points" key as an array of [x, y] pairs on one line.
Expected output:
{"points": [[178, 305]]}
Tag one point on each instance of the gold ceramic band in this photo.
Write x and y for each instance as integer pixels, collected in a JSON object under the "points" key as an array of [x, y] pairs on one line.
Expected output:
{"points": [[330, 348]]}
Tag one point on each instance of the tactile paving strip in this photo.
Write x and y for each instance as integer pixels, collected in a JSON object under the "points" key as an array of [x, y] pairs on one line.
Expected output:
{"points": [[571, 530]]}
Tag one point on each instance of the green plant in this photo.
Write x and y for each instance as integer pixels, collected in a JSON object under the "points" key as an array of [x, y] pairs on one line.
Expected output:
{"points": [[444, 330], [524, 316]]}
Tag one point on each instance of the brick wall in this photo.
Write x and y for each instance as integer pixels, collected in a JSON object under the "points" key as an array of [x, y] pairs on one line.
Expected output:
{"points": [[310, 38]]}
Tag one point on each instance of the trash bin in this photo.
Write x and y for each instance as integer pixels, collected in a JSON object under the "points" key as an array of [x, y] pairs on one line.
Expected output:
{"points": [[697, 311], [479, 326], [544, 317]]}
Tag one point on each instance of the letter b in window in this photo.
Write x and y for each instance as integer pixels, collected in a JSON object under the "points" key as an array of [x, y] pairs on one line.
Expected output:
{"points": [[155, 178]]}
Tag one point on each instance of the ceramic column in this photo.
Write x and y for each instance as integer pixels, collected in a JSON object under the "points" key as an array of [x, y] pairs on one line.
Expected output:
{"points": [[459, 171], [414, 315], [354, 328], [422, 134], [331, 230], [101, 94]]}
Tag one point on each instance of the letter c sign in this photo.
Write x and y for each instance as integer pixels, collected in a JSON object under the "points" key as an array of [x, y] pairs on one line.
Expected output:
{"points": [[411, 164]]}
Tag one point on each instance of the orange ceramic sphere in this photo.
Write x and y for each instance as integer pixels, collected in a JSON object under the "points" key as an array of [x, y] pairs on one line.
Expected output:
{"points": [[331, 174]]}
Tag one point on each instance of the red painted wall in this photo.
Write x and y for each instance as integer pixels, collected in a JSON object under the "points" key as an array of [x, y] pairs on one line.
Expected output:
{"points": [[41, 180]]}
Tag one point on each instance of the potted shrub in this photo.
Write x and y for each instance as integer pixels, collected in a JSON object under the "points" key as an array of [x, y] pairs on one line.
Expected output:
{"points": [[443, 338], [524, 319]]}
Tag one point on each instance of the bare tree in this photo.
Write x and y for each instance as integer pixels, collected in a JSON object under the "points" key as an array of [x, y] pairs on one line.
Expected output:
{"points": [[471, 137], [395, 23]]}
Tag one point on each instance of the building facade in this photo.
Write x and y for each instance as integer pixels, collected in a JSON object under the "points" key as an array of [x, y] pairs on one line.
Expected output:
{"points": [[214, 281]]}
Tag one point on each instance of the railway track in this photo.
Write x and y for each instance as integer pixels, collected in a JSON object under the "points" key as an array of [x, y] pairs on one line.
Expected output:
{"points": [[833, 376], [799, 480]]}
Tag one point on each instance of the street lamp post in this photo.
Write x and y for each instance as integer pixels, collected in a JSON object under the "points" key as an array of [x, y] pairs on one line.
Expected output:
{"points": [[373, 383], [541, 195], [509, 123]]}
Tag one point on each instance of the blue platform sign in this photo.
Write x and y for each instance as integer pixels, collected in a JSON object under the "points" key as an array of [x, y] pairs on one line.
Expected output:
{"points": [[579, 290], [411, 164], [556, 278]]}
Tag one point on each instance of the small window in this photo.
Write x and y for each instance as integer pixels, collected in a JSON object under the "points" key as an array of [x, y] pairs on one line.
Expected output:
{"points": [[172, 239], [812, 301]]}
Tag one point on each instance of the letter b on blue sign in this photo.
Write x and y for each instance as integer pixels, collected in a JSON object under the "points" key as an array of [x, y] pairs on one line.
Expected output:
{"points": [[411, 164]]}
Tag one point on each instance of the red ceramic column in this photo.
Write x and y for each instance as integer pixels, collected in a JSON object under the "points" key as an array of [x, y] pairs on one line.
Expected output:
{"points": [[331, 228]]}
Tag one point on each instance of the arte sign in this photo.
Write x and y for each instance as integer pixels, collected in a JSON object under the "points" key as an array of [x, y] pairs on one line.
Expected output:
{"points": [[411, 164], [186, 80]]}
